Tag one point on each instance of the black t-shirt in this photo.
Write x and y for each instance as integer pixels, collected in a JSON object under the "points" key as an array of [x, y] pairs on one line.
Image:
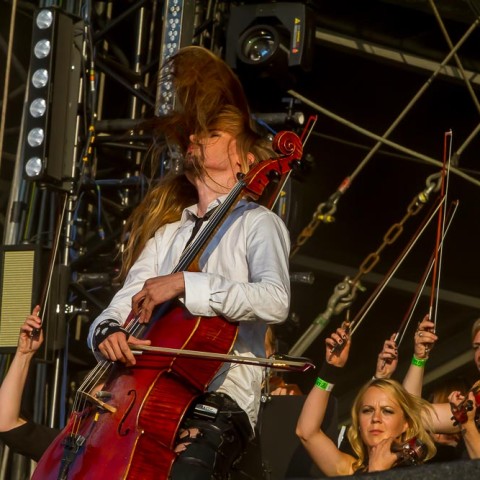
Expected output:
{"points": [[30, 439]]}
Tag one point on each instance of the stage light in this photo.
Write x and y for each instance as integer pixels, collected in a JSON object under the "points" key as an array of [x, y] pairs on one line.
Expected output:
{"points": [[40, 78], [270, 35], [38, 107], [42, 49], [52, 99], [178, 31], [33, 167], [258, 44], [44, 19], [35, 137]]}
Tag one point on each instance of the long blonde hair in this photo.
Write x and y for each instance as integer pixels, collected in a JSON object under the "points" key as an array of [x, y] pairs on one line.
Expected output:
{"points": [[208, 97], [416, 411]]}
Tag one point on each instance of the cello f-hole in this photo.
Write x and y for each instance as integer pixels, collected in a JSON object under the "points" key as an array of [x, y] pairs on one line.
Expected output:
{"points": [[132, 403]]}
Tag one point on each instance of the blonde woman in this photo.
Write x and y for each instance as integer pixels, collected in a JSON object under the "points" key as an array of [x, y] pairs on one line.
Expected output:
{"points": [[386, 420]]}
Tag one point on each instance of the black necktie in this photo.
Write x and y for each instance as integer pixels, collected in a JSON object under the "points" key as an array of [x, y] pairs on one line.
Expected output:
{"points": [[198, 223]]}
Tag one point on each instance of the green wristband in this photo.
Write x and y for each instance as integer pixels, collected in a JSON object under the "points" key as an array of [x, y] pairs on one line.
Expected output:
{"points": [[323, 385], [419, 362]]}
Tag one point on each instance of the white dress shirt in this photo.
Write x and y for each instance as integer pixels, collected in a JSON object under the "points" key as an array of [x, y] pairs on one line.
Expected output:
{"points": [[245, 279]]}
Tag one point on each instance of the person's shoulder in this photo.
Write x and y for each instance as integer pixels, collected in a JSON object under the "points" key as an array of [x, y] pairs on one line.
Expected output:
{"points": [[256, 210], [259, 213]]}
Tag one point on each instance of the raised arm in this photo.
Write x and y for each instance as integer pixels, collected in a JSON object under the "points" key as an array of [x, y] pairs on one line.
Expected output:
{"points": [[387, 360], [323, 451], [466, 420], [12, 387], [424, 341]]}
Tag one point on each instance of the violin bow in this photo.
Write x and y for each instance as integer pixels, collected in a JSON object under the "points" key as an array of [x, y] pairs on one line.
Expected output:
{"points": [[438, 252], [356, 322], [278, 362], [56, 242], [345, 292], [409, 314], [352, 325], [440, 236]]}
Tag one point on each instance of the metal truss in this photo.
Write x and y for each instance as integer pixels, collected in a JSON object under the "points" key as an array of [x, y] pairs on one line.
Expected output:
{"points": [[122, 47]]}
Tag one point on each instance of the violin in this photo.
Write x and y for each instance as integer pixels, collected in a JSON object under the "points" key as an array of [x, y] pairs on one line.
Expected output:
{"points": [[460, 412], [128, 429], [411, 452]]}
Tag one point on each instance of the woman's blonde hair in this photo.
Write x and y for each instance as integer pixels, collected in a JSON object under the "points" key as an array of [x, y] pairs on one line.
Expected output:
{"points": [[209, 97], [417, 414]]}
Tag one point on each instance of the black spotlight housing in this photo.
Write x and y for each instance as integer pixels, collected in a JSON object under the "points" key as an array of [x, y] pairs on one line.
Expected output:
{"points": [[270, 35], [51, 108]]}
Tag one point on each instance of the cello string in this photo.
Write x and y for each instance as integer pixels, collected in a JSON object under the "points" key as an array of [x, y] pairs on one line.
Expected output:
{"points": [[90, 381], [186, 259], [191, 251], [80, 402]]}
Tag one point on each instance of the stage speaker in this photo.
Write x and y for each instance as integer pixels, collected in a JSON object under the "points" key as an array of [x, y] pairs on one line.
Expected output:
{"points": [[19, 290]]}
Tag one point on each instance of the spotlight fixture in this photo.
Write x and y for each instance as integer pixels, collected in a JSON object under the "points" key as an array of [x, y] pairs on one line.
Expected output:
{"points": [[259, 44], [178, 31], [52, 99], [270, 35]]}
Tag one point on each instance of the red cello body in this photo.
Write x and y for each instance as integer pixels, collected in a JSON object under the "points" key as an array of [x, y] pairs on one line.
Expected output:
{"points": [[135, 442], [133, 438]]}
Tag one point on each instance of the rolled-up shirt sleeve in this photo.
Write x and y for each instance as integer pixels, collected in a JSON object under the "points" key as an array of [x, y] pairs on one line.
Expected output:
{"points": [[251, 279]]}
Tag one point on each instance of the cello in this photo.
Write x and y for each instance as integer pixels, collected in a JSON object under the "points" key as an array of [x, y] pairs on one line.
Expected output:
{"points": [[127, 429]]}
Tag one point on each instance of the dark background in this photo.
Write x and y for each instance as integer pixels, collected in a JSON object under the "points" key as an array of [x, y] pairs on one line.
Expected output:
{"points": [[370, 91]]}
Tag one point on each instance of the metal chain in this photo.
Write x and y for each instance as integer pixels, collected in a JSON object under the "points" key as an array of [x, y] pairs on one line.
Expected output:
{"points": [[325, 210], [345, 292], [433, 183], [323, 214]]}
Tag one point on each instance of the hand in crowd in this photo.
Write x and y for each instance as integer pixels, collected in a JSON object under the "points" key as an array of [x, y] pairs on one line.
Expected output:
{"points": [[338, 346], [29, 340], [286, 389], [425, 338], [387, 360], [463, 407]]}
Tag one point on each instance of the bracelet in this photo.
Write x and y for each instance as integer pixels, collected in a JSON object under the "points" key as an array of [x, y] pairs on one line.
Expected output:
{"points": [[323, 385], [419, 362], [330, 372], [104, 329]]}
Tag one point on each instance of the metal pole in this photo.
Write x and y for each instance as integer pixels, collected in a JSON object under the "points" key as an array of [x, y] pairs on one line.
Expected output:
{"points": [[7, 77]]}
